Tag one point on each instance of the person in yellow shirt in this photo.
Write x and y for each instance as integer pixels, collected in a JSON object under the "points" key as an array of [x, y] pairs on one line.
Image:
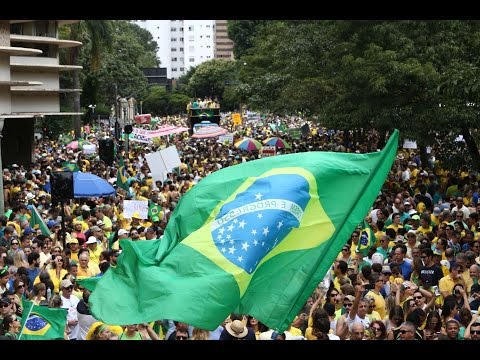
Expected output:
{"points": [[94, 249], [447, 283], [86, 268]]}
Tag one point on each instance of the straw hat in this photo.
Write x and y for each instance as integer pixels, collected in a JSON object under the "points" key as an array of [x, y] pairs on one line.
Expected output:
{"points": [[237, 329]]}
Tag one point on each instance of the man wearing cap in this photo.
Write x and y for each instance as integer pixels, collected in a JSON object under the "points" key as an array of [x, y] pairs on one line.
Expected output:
{"points": [[413, 223], [74, 249], [434, 217], [94, 248], [70, 303]]}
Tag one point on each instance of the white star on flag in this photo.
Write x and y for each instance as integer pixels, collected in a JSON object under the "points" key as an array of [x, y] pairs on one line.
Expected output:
{"points": [[258, 196], [260, 216], [255, 242], [240, 259], [254, 232], [280, 224], [245, 246], [231, 250], [241, 224], [265, 231], [230, 227]]}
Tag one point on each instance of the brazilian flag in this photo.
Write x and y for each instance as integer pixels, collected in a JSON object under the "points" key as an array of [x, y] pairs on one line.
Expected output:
{"points": [[122, 181], [367, 238], [68, 166], [42, 323], [255, 238], [154, 210]]}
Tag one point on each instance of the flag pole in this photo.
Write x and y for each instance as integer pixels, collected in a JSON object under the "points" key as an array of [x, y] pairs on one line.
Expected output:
{"points": [[26, 318]]}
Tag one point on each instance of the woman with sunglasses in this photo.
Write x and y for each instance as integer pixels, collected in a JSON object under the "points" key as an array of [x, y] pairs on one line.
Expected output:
{"points": [[10, 326], [19, 289], [378, 330]]}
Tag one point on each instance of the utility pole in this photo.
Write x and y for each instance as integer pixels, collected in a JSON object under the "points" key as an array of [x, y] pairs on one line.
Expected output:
{"points": [[2, 204]]}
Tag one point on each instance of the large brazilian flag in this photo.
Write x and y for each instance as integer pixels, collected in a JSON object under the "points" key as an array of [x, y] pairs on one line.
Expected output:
{"points": [[254, 238]]}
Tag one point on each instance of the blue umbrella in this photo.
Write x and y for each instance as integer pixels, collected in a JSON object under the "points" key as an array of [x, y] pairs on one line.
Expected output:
{"points": [[89, 185]]}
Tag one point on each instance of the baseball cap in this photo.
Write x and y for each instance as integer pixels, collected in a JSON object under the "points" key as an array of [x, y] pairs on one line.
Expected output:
{"points": [[95, 228], [122, 232], [415, 217], [66, 283], [91, 240], [28, 230]]}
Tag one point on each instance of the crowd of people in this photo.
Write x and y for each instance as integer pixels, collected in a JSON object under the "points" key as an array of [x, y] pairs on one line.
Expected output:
{"points": [[418, 281]]}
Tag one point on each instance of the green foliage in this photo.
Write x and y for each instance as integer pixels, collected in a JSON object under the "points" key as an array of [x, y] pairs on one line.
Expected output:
{"points": [[210, 77], [159, 101]]}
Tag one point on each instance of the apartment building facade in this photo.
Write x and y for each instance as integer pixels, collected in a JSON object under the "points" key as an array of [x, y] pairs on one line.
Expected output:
{"points": [[223, 44], [182, 43]]}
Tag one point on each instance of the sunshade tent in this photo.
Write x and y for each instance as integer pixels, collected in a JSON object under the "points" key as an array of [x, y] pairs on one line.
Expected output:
{"points": [[277, 142], [90, 185], [248, 144]]}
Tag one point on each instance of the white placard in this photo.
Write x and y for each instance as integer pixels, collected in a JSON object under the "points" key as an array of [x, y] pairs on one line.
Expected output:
{"points": [[170, 157], [225, 139], [157, 166], [137, 207], [409, 144]]}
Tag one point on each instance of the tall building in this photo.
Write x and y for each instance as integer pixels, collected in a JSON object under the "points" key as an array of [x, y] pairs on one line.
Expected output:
{"points": [[223, 44], [181, 43], [29, 83]]}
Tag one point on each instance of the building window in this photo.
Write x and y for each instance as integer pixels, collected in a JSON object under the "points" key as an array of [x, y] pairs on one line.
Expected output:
{"points": [[181, 49], [174, 69], [174, 49], [208, 36], [173, 39], [208, 46], [181, 39], [208, 57], [208, 26], [182, 69], [174, 59], [173, 29], [190, 28], [192, 59], [181, 29]]}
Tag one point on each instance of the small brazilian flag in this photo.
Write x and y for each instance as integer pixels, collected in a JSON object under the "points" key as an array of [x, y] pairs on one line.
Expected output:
{"points": [[42, 323], [154, 210], [255, 238], [367, 238], [122, 181]]}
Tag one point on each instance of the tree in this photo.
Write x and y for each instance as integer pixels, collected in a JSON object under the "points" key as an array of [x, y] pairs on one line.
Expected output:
{"points": [[99, 33], [210, 77]]}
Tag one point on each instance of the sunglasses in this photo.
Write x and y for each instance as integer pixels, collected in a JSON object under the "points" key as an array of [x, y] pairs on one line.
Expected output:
{"points": [[475, 331], [21, 286], [181, 337], [418, 297], [4, 305], [15, 243], [404, 331], [69, 287], [347, 304], [332, 295]]}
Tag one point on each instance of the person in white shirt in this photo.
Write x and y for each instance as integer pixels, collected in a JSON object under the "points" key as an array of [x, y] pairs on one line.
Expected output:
{"points": [[70, 303]]}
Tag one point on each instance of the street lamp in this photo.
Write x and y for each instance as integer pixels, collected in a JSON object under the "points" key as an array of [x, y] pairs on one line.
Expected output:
{"points": [[124, 106], [92, 107]]}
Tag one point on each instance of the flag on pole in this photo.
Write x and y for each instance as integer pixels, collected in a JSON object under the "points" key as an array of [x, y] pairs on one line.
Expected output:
{"points": [[122, 181], [42, 323], [36, 222], [255, 238], [367, 238]]}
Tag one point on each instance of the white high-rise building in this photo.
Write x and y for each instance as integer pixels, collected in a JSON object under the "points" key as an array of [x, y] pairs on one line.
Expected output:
{"points": [[181, 43]]}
